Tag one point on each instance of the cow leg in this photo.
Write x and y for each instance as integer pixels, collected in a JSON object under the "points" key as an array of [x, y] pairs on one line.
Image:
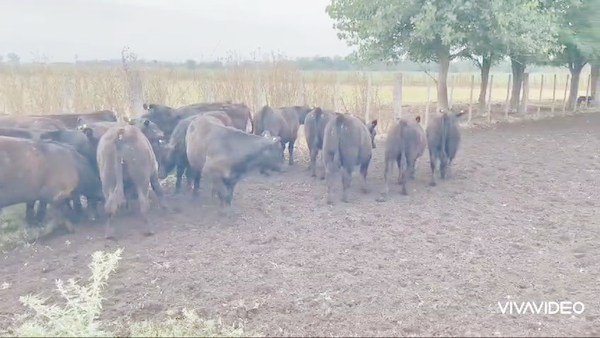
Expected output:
{"points": [[432, 159], [30, 216], [443, 166], [144, 202], [403, 167], [386, 185], [78, 208], [329, 175], [155, 184], [179, 178], [196, 188], [313, 161], [346, 183], [364, 168], [41, 211], [291, 151]]}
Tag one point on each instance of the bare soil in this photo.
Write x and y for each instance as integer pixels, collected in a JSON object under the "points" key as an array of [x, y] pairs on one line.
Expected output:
{"points": [[517, 220]]}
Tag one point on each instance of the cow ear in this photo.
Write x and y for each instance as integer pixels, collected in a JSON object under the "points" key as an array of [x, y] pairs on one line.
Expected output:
{"points": [[374, 123], [146, 122], [146, 106], [418, 119], [89, 132], [461, 113]]}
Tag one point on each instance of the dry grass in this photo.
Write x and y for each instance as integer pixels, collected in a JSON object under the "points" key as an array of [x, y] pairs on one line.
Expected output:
{"points": [[39, 88]]}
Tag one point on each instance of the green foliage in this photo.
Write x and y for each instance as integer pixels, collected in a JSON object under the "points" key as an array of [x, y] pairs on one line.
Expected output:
{"points": [[186, 325], [579, 37]]}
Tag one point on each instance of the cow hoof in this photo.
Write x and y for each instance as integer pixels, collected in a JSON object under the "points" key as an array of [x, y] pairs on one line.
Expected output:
{"points": [[110, 238], [149, 233], [329, 202], [432, 184], [404, 192], [365, 190], [381, 199], [345, 200]]}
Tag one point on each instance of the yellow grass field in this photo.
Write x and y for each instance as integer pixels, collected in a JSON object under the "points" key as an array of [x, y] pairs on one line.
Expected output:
{"points": [[40, 88]]}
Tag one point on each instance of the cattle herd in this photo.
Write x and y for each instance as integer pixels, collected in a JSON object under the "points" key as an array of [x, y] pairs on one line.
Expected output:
{"points": [[54, 160]]}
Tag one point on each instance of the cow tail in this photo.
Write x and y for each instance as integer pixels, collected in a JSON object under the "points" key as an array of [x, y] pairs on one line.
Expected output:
{"points": [[445, 127], [117, 197], [260, 119], [339, 123], [317, 140], [403, 136]]}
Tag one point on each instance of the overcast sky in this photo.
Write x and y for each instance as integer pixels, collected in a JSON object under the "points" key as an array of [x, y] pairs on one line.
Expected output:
{"points": [[174, 30]]}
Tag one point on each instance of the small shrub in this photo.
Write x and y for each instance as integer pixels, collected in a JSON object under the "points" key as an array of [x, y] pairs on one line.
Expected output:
{"points": [[79, 316]]}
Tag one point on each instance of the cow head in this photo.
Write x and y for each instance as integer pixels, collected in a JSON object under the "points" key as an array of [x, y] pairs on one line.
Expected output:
{"points": [[373, 131], [272, 153], [152, 133]]}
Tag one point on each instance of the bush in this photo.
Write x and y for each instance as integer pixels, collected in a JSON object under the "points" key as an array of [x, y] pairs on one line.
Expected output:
{"points": [[79, 316]]}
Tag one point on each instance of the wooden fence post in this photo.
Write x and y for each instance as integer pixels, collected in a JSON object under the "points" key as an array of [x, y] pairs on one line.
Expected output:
{"points": [[525, 98], [261, 99], [428, 101], [506, 102], [489, 110], [587, 91], [397, 105], [565, 94], [597, 93], [451, 103], [369, 99], [67, 104], [540, 98], [471, 99], [553, 95]]}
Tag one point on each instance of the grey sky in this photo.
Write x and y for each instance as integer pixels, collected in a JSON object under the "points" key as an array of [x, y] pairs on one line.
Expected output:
{"points": [[174, 30]]}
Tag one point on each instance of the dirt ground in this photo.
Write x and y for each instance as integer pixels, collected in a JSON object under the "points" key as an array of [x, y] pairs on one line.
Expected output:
{"points": [[517, 221]]}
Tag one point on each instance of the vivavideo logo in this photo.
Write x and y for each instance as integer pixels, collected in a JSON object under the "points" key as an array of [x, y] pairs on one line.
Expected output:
{"points": [[541, 308]]}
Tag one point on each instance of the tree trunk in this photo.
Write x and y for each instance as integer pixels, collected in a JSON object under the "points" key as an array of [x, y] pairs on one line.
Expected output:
{"points": [[486, 66], [575, 70], [595, 79], [518, 69], [442, 85]]}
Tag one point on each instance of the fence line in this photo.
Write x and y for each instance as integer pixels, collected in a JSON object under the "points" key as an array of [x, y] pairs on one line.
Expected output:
{"points": [[48, 89]]}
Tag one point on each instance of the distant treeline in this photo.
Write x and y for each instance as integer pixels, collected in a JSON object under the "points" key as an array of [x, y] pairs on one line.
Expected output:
{"points": [[337, 63]]}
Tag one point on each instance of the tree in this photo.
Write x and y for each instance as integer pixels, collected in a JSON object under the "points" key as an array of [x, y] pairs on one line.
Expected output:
{"points": [[499, 26], [578, 42], [438, 30], [13, 58], [388, 30]]}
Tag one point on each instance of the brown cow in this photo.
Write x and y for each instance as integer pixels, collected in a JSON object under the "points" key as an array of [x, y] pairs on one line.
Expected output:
{"points": [[347, 142], [74, 120], [225, 154], [167, 118], [47, 171], [174, 153], [405, 143], [30, 122], [314, 127], [443, 141], [125, 155], [283, 122]]}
